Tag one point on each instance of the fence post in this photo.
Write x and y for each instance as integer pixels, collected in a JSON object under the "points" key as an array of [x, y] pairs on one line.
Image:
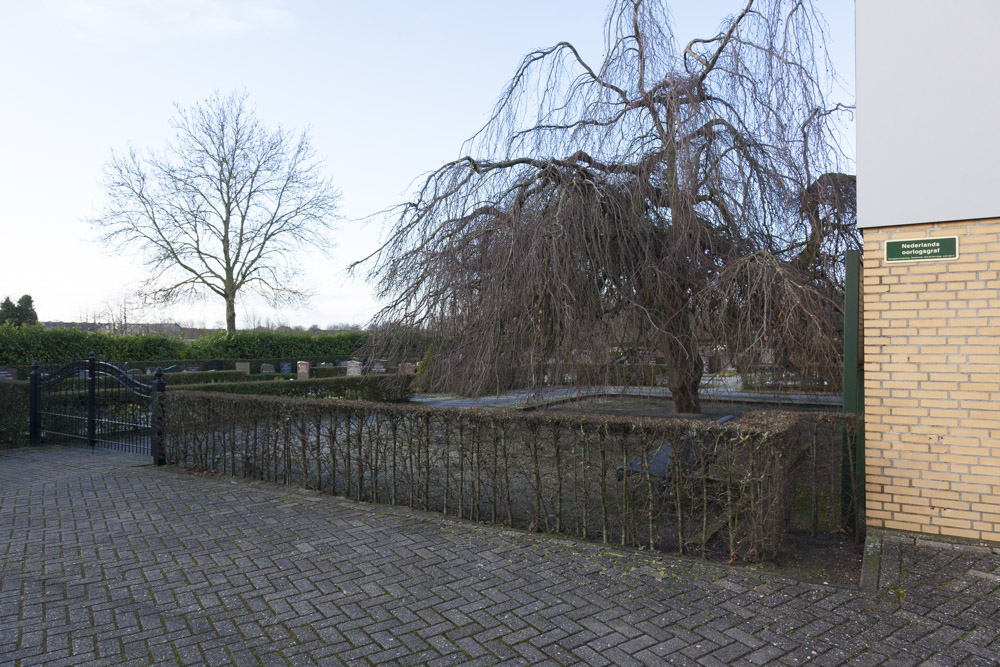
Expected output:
{"points": [[853, 479], [156, 436], [35, 405], [92, 400]]}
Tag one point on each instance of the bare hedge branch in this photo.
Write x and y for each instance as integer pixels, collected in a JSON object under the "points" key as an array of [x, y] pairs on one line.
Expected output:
{"points": [[730, 486]]}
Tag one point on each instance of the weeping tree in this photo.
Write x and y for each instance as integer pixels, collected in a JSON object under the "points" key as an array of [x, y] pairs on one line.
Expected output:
{"points": [[665, 200]]}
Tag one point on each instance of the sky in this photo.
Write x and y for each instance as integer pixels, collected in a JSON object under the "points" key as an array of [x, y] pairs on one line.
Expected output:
{"points": [[388, 91]]}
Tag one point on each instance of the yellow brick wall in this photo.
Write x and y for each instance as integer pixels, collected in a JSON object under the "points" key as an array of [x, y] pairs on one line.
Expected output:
{"points": [[932, 384]]}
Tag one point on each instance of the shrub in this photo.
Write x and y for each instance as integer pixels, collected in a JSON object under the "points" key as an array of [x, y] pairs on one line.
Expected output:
{"points": [[230, 364], [272, 344], [424, 377], [380, 388], [20, 346], [320, 372], [727, 488], [13, 413], [202, 377]]}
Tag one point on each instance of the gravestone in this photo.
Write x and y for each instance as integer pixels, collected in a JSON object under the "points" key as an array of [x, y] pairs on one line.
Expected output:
{"points": [[353, 367], [243, 367], [286, 367], [214, 365], [8, 373], [267, 368], [173, 369], [302, 370], [407, 368], [191, 368]]}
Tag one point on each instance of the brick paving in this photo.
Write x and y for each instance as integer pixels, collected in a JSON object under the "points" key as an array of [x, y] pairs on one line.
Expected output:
{"points": [[107, 560]]}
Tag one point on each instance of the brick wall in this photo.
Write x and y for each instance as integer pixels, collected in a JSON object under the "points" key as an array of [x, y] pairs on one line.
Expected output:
{"points": [[932, 384]]}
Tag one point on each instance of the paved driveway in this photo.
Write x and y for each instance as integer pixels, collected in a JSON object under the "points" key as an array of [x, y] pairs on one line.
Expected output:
{"points": [[107, 560]]}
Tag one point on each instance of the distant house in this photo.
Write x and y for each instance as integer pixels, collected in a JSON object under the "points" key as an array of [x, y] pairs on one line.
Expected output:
{"points": [[91, 327]]}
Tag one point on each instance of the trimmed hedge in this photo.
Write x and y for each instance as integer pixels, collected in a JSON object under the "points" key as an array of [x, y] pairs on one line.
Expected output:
{"points": [[14, 399], [320, 372], [378, 388], [202, 377], [24, 372], [271, 344], [230, 364], [20, 346], [727, 491]]}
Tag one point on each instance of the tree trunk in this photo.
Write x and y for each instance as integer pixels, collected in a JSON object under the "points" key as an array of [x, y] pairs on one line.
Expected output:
{"points": [[686, 368], [231, 314], [686, 397]]}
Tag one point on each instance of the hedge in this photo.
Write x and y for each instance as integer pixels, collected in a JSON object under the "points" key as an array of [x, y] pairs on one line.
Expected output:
{"points": [[13, 413], [382, 388], [728, 490], [320, 372], [202, 377], [230, 364], [272, 344], [20, 346]]}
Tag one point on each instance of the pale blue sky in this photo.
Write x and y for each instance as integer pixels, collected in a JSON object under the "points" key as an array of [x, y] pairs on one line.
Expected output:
{"points": [[389, 89]]}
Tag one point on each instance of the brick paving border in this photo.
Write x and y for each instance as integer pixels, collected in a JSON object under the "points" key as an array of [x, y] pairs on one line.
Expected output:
{"points": [[107, 560]]}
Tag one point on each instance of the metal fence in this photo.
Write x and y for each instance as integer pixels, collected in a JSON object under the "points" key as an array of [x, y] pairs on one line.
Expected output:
{"points": [[97, 403]]}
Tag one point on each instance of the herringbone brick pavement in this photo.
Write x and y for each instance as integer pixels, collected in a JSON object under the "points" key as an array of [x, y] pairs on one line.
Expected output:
{"points": [[106, 560]]}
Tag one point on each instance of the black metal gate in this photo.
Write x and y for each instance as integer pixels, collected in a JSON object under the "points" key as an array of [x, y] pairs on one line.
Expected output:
{"points": [[97, 403]]}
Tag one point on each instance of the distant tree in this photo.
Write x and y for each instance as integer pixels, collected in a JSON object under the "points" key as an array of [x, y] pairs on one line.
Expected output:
{"points": [[223, 209], [22, 313], [666, 198], [8, 311], [123, 314], [25, 311]]}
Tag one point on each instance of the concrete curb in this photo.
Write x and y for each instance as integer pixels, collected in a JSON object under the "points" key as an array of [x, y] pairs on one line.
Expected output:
{"points": [[870, 564]]}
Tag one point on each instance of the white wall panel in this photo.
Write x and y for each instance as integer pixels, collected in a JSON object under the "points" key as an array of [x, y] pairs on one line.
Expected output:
{"points": [[928, 119]]}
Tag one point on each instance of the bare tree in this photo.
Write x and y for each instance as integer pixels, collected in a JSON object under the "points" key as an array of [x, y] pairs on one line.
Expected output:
{"points": [[124, 314], [666, 199], [223, 208]]}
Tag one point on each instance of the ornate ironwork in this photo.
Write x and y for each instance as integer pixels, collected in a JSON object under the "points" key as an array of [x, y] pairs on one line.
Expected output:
{"points": [[97, 402]]}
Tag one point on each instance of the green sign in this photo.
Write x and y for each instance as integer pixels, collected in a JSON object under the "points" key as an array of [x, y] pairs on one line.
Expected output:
{"points": [[914, 250]]}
